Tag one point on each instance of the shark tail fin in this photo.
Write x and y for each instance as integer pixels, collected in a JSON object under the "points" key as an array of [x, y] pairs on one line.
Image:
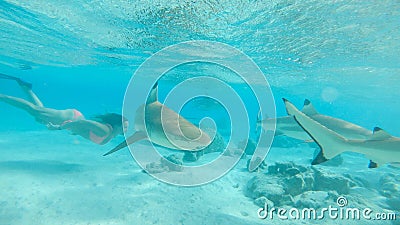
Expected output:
{"points": [[116, 148], [330, 142], [308, 108]]}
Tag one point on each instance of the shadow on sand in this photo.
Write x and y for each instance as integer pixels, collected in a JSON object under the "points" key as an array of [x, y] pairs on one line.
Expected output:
{"points": [[40, 167]]}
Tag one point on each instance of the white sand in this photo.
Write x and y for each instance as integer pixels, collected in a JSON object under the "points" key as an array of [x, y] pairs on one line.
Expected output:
{"points": [[55, 178]]}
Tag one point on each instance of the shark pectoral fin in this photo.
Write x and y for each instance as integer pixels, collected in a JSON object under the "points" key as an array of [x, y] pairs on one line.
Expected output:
{"points": [[319, 158], [137, 136], [375, 162], [330, 142], [372, 164]]}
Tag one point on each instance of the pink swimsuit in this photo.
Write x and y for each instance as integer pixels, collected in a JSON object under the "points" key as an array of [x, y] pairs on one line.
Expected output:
{"points": [[100, 139], [77, 116], [92, 136]]}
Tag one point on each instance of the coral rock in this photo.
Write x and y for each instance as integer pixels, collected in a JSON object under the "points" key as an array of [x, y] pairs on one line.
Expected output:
{"points": [[173, 162], [262, 201], [326, 181], [312, 199], [294, 185]]}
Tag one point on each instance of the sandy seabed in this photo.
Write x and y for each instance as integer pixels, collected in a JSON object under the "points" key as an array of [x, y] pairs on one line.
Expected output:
{"points": [[55, 178]]}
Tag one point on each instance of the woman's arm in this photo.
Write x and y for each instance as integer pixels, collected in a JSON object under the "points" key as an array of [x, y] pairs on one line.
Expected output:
{"points": [[83, 127]]}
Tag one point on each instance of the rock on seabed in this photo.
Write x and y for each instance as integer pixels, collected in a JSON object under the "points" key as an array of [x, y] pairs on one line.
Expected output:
{"points": [[295, 185]]}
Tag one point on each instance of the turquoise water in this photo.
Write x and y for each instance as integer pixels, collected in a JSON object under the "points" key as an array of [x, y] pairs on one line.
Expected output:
{"points": [[342, 55]]}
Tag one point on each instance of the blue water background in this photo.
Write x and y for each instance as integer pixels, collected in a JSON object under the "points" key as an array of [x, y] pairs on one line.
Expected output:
{"points": [[95, 90], [342, 55]]}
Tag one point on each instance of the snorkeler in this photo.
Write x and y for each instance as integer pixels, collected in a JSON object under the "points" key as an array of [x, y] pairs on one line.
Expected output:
{"points": [[100, 130]]}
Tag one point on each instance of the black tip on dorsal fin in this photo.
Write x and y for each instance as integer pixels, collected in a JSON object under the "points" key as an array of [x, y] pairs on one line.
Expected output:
{"points": [[260, 118], [285, 100], [153, 96], [320, 158], [308, 108], [372, 164], [155, 85], [380, 134]]}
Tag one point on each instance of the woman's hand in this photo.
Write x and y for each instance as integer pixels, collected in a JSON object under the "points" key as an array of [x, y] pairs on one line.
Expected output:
{"points": [[52, 126]]}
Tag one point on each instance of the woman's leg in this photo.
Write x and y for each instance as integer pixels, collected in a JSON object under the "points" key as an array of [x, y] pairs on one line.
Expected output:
{"points": [[20, 103], [42, 115], [26, 87], [31, 95]]}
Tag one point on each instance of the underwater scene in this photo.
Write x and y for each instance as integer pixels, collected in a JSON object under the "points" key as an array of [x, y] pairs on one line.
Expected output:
{"points": [[199, 112]]}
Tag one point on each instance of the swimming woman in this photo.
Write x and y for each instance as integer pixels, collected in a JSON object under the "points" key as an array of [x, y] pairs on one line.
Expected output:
{"points": [[99, 130]]}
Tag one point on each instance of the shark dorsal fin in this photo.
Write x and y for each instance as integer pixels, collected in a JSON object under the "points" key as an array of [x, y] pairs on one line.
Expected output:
{"points": [[308, 108], [153, 96], [260, 118], [380, 134]]}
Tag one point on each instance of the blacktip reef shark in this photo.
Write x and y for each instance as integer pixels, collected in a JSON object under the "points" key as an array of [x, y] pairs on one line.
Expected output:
{"points": [[172, 131], [288, 126], [380, 147]]}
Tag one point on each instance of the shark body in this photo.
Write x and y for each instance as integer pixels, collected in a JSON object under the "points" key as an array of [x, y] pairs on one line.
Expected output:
{"points": [[380, 147], [163, 126], [288, 126]]}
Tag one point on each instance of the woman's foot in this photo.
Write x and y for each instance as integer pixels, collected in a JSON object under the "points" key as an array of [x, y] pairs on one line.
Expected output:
{"points": [[20, 82], [24, 83]]}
